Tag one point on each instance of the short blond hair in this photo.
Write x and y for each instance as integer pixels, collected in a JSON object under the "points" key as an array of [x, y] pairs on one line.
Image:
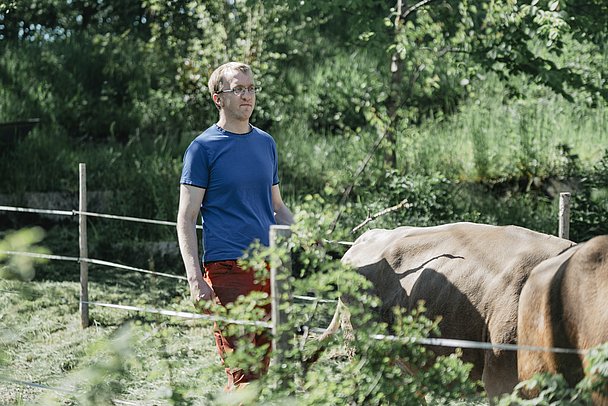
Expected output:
{"points": [[217, 78]]}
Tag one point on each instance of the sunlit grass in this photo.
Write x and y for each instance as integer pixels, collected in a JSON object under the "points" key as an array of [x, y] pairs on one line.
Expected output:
{"points": [[492, 137], [47, 345]]}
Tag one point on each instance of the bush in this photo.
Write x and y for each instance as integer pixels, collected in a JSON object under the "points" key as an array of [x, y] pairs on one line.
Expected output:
{"points": [[548, 389]]}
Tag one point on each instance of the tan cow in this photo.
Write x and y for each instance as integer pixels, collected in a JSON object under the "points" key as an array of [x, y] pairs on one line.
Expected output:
{"points": [[565, 304], [469, 274]]}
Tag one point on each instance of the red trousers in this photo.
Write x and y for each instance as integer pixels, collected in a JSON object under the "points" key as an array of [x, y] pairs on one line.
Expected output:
{"points": [[229, 281]]}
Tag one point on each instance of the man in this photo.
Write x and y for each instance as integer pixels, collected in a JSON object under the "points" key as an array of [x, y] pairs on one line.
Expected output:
{"points": [[230, 175]]}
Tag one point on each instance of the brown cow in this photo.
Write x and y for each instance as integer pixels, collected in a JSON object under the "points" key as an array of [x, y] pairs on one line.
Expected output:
{"points": [[565, 304], [469, 274]]}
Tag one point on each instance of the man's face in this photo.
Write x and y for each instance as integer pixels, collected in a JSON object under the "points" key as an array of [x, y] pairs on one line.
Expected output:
{"points": [[237, 107]]}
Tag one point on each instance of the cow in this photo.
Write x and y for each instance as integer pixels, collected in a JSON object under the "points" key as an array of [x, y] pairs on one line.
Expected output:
{"points": [[564, 304], [471, 275]]}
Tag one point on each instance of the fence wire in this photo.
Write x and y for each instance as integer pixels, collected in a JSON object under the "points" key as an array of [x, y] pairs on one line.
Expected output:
{"points": [[448, 342], [39, 211], [131, 268], [184, 315], [454, 343], [440, 342], [36, 385], [91, 261], [90, 214]]}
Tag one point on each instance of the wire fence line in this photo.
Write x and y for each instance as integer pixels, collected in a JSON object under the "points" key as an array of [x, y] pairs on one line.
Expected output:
{"points": [[90, 261], [126, 218], [346, 243], [440, 342], [131, 268], [113, 264], [427, 341], [90, 214], [454, 343], [40, 256], [39, 211], [314, 299], [36, 385], [443, 342], [184, 315]]}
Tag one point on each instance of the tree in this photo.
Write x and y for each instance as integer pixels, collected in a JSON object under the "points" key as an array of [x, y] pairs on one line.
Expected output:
{"points": [[433, 50], [114, 68]]}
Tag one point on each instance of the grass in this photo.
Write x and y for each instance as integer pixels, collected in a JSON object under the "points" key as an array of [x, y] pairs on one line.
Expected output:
{"points": [[491, 137], [47, 345]]}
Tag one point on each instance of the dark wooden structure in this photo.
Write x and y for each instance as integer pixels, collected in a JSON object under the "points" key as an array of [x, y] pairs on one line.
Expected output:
{"points": [[12, 130]]}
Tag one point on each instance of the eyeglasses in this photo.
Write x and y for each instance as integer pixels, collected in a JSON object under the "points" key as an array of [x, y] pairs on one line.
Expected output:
{"points": [[240, 90]]}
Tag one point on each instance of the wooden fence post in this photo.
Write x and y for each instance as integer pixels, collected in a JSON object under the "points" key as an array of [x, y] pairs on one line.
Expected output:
{"points": [[84, 252], [280, 291], [564, 215]]}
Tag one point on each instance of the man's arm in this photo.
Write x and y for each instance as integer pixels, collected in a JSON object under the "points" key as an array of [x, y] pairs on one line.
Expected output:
{"points": [[190, 199], [281, 213]]}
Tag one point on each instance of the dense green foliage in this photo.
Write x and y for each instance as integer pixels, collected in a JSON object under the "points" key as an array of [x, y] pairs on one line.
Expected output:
{"points": [[464, 110], [465, 100]]}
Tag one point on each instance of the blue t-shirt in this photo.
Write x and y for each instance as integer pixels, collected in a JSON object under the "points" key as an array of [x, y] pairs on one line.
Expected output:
{"points": [[238, 172]]}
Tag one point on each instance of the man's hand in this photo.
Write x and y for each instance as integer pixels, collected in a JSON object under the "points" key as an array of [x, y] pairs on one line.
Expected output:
{"points": [[203, 297], [201, 292]]}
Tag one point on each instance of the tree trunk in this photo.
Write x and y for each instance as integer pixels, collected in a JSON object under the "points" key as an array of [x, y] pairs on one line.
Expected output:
{"points": [[390, 154], [393, 102]]}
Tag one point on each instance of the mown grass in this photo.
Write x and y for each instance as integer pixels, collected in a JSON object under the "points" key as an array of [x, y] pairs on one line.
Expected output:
{"points": [[43, 342]]}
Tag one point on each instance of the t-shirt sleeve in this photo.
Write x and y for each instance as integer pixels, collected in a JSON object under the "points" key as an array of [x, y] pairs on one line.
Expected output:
{"points": [[195, 171], [275, 168]]}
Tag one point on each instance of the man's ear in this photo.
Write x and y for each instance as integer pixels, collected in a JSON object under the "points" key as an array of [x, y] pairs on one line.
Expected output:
{"points": [[217, 100]]}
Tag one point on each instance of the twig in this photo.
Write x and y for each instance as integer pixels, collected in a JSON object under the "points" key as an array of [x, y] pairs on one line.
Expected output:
{"points": [[383, 134], [414, 8], [358, 172], [396, 207]]}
